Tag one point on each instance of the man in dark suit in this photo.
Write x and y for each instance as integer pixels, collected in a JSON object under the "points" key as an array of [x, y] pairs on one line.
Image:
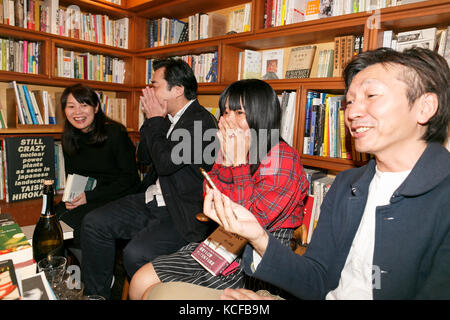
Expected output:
{"points": [[160, 219]]}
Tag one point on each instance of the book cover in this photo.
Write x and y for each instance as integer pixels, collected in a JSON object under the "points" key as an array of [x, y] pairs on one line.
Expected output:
{"points": [[312, 10], [12, 237], [218, 251], [13, 243], [272, 64], [76, 184], [9, 286], [300, 62], [29, 160], [424, 38], [326, 8], [36, 287], [295, 11], [251, 65]]}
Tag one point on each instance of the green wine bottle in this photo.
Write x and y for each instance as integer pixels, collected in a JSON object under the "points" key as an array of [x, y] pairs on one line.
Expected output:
{"points": [[47, 237]]}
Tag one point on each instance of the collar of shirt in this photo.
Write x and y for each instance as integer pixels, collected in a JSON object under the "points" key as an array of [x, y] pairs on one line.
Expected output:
{"points": [[177, 116]]}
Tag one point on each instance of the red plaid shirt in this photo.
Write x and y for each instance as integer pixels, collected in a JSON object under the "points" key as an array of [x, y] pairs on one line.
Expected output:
{"points": [[275, 192]]}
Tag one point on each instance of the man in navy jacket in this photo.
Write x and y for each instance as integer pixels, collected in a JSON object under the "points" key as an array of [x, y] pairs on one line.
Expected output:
{"points": [[384, 228]]}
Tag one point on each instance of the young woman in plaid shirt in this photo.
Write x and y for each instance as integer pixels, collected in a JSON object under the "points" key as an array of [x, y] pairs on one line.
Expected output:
{"points": [[254, 168]]}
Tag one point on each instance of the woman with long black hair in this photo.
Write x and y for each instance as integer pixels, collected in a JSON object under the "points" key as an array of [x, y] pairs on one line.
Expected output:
{"points": [[98, 147]]}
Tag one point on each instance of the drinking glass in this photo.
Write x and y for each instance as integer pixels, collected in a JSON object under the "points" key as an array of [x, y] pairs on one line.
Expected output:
{"points": [[54, 268]]}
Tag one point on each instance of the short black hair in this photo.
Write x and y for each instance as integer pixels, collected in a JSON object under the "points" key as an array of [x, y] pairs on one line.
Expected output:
{"points": [[71, 135], [178, 73], [425, 71]]}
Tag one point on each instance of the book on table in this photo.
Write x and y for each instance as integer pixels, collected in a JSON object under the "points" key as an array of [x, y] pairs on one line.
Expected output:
{"points": [[15, 246], [9, 286], [76, 184]]}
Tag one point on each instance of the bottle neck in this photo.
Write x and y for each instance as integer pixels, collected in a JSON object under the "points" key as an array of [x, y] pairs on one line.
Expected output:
{"points": [[47, 203]]}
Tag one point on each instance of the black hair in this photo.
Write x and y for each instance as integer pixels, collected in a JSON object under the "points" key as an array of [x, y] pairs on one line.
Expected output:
{"points": [[262, 111], [97, 133], [425, 71], [178, 73]]}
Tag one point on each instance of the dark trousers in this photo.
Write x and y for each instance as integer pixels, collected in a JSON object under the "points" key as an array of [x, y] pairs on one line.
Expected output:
{"points": [[149, 228]]}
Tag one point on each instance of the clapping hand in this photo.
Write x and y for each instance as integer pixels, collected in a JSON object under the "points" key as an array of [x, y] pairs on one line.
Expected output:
{"points": [[151, 105]]}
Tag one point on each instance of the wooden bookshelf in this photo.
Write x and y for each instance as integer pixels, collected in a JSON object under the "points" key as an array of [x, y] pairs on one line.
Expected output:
{"points": [[433, 13]]}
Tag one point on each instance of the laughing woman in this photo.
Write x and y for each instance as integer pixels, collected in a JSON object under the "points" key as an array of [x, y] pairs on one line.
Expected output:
{"points": [[254, 168], [97, 147]]}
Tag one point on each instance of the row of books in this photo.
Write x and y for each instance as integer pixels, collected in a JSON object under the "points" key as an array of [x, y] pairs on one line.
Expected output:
{"points": [[20, 56], [33, 106], [429, 38], [204, 66], [48, 16], [89, 66], [114, 108], [164, 31], [325, 132], [287, 104], [284, 12], [203, 26], [319, 184], [330, 59]]}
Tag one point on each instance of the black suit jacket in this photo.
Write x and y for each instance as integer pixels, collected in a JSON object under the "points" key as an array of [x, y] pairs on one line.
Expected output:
{"points": [[176, 163]]}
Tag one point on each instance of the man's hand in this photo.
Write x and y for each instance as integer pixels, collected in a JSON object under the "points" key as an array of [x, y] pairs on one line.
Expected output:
{"points": [[235, 218], [151, 106], [76, 202]]}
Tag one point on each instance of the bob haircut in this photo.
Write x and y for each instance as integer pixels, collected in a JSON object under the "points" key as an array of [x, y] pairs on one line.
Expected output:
{"points": [[262, 111], [424, 71]]}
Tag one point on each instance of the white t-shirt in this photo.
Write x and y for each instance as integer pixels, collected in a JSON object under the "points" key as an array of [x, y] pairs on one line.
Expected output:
{"points": [[356, 281]]}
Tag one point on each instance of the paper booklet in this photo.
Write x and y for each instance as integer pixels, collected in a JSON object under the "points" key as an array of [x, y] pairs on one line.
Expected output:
{"points": [[76, 184]]}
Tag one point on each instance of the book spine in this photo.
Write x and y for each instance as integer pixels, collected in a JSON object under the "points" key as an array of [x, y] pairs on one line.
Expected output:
{"points": [[29, 104]]}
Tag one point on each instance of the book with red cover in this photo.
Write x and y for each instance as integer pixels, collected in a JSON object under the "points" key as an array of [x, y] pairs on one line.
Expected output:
{"points": [[218, 251]]}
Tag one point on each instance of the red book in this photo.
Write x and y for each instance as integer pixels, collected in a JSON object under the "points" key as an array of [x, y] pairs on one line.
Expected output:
{"points": [[218, 251]]}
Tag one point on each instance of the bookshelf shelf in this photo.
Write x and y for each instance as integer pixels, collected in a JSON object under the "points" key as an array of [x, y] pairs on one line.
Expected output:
{"points": [[328, 163], [182, 8], [99, 7]]}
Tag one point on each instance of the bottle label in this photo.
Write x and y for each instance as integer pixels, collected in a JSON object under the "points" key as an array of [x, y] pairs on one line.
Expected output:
{"points": [[44, 203]]}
